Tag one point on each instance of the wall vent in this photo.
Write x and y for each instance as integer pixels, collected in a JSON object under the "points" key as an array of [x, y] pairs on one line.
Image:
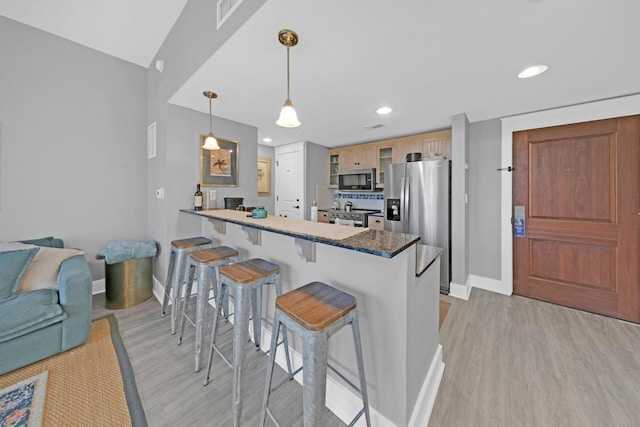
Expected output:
{"points": [[151, 141], [226, 9], [371, 127]]}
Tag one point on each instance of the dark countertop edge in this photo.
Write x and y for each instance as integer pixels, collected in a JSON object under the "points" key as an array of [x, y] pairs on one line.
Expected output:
{"points": [[338, 243], [425, 256]]}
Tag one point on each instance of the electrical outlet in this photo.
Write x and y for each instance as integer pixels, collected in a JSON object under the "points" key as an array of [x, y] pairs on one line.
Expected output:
{"points": [[160, 193]]}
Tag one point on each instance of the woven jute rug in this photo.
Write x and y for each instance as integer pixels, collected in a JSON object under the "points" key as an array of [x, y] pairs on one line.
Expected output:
{"points": [[91, 385]]}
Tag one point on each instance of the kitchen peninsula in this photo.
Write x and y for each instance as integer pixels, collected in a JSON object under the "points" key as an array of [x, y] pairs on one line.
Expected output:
{"points": [[397, 305]]}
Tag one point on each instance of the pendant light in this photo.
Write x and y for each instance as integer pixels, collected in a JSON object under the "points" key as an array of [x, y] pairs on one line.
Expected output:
{"points": [[288, 117], [210, 143]]}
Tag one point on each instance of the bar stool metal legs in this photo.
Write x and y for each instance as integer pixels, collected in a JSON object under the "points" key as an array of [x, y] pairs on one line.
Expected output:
{"points": [[315, 312], [207, 263], [180, 249], [246, 279]]}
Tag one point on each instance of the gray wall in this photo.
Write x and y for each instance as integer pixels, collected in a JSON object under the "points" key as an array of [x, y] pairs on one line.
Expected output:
{"points": [[484, 198], [315, 174], [192, 40], [459, 209], [268, 202], [73, 142]]}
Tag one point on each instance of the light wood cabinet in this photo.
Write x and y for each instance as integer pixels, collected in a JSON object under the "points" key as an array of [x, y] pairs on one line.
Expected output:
{"points": [[323, 216], [376, 223], [382, 153], [334, 167], [357, 157], [385, 158]]}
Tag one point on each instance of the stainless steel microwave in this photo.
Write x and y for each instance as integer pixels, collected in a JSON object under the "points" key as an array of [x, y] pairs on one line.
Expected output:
{"points": [[357, 180]]}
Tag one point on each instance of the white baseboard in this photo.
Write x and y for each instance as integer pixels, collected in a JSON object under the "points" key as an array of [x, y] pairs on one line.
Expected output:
{"points": [[428, 392], [460, 291], [488, 284], [480, 282], [98, 286]]}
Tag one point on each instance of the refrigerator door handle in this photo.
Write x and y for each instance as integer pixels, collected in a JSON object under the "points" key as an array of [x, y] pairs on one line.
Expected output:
{"points": [[404, 203]]}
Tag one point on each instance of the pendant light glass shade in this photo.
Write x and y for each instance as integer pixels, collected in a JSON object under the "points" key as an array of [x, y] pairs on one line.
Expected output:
{"points": [[211, 143], [288, 116]]}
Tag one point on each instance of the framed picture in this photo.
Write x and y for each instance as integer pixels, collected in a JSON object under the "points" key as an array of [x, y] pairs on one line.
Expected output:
{"points": [[264, 176], [219, 167]]}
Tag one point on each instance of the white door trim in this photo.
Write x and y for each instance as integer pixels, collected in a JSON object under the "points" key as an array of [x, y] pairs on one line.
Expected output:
{"points": [[609, 108]]}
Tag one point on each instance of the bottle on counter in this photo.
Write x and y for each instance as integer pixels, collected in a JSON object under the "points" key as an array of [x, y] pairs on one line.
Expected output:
{"points": [[197, 199], [314, 212]]}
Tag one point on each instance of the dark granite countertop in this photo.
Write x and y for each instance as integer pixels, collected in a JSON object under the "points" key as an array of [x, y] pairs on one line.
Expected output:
{"points": [[381, 243]]}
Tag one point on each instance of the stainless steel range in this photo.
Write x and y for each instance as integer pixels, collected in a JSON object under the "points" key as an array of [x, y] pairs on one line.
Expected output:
{"points": [[360, 217]]}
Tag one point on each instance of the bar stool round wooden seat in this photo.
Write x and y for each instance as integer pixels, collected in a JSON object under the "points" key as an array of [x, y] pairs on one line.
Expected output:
{"points": [[180, 249], [315, 312], [246, 278], [206, 263]]}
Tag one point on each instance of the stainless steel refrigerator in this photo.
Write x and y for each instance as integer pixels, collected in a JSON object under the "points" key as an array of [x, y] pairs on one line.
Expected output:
{"points": [[417, 199]]}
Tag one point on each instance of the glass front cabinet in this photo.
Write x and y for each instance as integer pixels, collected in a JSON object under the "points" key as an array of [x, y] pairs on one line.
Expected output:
{"points": [[384, 159], [334, 165]]}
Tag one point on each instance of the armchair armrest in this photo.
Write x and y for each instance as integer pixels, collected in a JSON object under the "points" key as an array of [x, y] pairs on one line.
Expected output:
{"points": [[75, 284]]}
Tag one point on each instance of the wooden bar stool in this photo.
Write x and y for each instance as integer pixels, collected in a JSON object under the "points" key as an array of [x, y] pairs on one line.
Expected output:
{"points": [[207, 262], [180, 249], [315, 312], [246, 278]]}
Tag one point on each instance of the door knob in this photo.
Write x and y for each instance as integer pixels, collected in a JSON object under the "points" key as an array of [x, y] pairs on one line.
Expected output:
{"points": [[296, 207]]}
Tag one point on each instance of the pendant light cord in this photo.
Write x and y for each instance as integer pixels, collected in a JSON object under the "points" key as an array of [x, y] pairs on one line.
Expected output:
{"points": [[288, 95], [210, 119]]}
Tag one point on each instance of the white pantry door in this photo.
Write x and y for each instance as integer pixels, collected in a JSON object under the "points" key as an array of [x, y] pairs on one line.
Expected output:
{"points": [[290, 184]]}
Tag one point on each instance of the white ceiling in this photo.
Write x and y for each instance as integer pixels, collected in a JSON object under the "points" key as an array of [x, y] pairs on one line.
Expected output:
{"points": [[132, 30], [428, 60]]}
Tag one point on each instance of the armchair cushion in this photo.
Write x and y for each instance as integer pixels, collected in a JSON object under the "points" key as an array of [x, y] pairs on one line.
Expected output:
{"points": [[29, 311], [13, 265]]}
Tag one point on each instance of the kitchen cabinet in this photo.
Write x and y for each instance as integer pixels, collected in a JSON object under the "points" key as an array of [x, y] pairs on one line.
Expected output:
{"points": [[334, 166], [406, 145], [382, 153], [385, 158], [376, 223], [357, 157]]}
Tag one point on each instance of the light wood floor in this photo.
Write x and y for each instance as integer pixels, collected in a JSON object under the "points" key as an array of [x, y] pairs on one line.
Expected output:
{"points": [[514, 361], [171, 391], [510, 361]]}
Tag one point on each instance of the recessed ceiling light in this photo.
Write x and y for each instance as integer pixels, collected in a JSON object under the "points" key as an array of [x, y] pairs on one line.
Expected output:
{"points": [[383, 110], [532, 71], [267, 139]]}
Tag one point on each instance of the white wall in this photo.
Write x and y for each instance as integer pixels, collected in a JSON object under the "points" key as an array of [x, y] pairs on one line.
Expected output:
{"points": [[72, 142], [268, 202]]}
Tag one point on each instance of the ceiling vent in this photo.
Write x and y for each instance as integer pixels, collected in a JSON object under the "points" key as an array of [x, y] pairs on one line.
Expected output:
{"points": [[378, 126], [226, 9]]}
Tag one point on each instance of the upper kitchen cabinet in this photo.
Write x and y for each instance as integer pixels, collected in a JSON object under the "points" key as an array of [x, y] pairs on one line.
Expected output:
{"points": [[437, 143], [432, 143], [358, 157], [334, 166], [385, 158], [382, 153]]}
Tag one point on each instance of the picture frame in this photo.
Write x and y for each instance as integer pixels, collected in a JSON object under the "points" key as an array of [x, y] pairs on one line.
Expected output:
{"points": [[264, 176], [219, 168]]}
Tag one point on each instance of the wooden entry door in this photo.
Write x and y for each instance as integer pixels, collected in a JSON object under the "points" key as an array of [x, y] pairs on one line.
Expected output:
{"points": [[580, 188]]}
